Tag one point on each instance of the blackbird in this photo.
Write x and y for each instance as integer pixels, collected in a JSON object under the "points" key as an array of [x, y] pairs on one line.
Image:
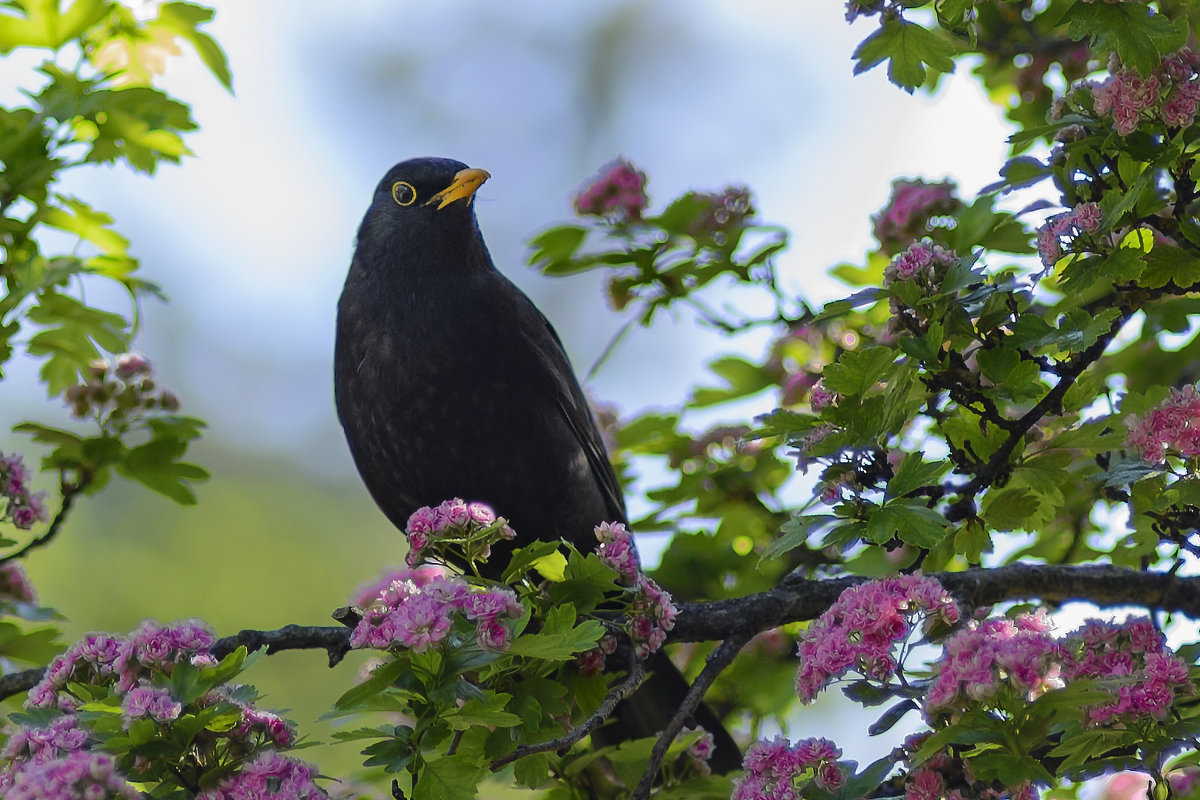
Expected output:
{"points": [[449, 382]]}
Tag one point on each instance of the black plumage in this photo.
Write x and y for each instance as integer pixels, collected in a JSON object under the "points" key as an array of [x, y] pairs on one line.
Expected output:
{"points": [[449, 382]]}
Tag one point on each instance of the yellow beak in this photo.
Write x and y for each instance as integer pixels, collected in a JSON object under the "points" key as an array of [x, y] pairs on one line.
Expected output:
{"points": [[462, 187]]}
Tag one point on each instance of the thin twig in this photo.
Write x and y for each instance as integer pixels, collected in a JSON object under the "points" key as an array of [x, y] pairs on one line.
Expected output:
{"points": [[614, 696], [69, 492], [716, 663]]}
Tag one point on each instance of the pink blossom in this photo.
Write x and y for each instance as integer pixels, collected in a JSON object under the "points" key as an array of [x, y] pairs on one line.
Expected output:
{"points": [[149, 701], [1170, 428], [369, 593], [1179, 109], [419, 616], [821, 398], [618, 551], [80, 775], [269, 776], [15, 584], [619, 193], [1062, 229], [908, 211], [775, 768], [1133, 663], [23, 508], [923, 262], [481, 513], [990, 656], [651, 616], [129, 365], [863, 627]]}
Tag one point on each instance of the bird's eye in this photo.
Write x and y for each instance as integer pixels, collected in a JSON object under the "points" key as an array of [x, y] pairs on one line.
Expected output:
{"points": [[404, 193]]}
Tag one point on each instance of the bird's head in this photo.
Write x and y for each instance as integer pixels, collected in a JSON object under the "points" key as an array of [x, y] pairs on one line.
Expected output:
{"points": [[423, 204], [427, 191]]}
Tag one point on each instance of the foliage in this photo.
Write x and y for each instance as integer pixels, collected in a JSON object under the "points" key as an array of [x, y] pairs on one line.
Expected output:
{"points": [[1008, 379]]}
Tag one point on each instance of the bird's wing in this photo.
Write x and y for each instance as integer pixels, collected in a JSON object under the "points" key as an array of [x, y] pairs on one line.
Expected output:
{"points": [[560, 381]]}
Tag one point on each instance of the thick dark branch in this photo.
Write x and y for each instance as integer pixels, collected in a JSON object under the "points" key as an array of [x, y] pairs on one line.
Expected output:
{"points": [[797, 599], [334, 641]]}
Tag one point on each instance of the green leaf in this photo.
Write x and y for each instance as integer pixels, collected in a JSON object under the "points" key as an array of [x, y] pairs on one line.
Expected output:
{"points": [[532, 771], [858, 370], [909, 48], [914, 472], [381, 678], [85, 222], [864, 783], [795, 533], [1139, 36], [1007, 509], [741, 376], [1166, 264], [482, 712], [908, 521], [560, 638], [454, 777], [44, 25], [155, 465], [523, 559], [554, 248], [184, 19]]}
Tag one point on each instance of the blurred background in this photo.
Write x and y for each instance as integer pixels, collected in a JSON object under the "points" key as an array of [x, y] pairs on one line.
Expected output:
{"points": [[252, 237]]}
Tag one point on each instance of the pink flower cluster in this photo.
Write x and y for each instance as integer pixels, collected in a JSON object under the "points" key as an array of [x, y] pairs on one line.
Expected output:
{"points": [[1062, 229], [988, 657], [368, 593], [256, 727], [591, 662], [821, 398], [453, 521], [418, 616], [779, 770], [651, 617], [700, 751], [923, 263], [927, 781], [270, 776], [118, 389], [617, 550], [22, 507], [43, 742], [130, 666], [618, 193], [101, 659], [1133, 662], [154, 702], [15, 585], [76, 776], [862, 628], [1171, 94], [907, 213], [1170, 428]]}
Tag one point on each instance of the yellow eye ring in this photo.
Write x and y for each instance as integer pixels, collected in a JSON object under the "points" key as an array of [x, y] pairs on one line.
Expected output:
{"points": [[403, 193]]}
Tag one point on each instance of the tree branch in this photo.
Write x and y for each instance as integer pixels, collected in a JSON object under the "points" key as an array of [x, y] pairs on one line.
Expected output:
{"points": [[615, 695], [69, 492], [798, 598], [716, 663]]}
